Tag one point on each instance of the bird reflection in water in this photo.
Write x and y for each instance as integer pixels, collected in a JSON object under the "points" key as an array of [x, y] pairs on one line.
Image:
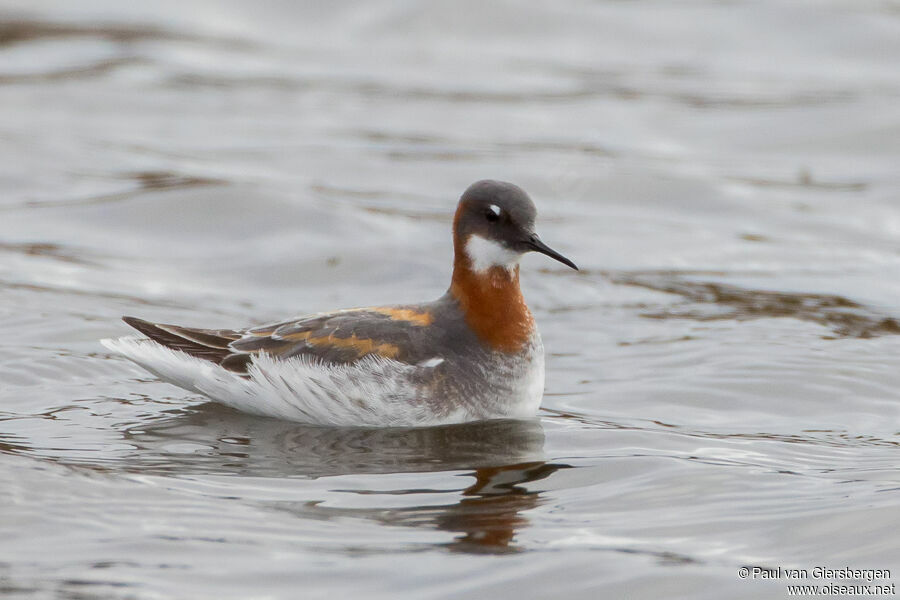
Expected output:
{"points": [[224, 441], [502, 456], [490, 514]]}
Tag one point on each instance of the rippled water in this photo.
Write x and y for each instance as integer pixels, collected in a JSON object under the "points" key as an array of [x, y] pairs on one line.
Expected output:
{"points": [[722, 374]]}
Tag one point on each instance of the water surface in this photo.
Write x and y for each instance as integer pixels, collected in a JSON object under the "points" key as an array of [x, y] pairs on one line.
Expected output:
{"points": [[722, 372]]}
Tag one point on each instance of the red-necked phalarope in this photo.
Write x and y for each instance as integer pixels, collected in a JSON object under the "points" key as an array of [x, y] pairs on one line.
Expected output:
{"points": [[472, 354]]}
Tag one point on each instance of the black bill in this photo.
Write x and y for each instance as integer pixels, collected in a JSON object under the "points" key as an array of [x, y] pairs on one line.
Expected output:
{"points": [[535, 244]]}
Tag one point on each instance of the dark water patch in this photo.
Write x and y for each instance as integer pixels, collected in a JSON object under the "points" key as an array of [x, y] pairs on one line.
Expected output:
{"points": [[11, 589], [7, 443], [167, 180], [843, 316], [152, 180], [709, 100], [421, 154], [46, 249], [406, 138], [495, 147], [79, 72], [283, 83], [554, 146], [804, 179], [16, 31], [728, 94], [441, 217], [148, 181], [754, 237], [592, 91], [418, 146], [789, 100], [667, 340], [730, 100]]}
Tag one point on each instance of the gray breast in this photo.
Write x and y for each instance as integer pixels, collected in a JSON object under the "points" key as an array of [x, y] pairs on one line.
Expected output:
{"points": [[482, 382]]}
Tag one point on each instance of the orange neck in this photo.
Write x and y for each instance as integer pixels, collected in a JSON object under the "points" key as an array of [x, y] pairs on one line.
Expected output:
{"points": [[493, 304]]}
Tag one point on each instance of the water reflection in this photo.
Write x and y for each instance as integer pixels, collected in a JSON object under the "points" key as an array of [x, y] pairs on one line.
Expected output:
{"points": [[501, 455], [487, 517], [216, 440], [209, 450], [491, 512]]}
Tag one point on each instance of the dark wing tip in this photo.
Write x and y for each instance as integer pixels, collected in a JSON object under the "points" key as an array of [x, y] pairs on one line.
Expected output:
{"points": [[145, 327], [172, 337]]}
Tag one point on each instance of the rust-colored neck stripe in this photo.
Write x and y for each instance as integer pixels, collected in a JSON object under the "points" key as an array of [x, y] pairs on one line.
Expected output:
{"points": [[492, 303]]}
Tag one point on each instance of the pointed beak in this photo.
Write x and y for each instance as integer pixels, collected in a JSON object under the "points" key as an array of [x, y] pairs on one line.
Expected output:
{"points": [[535, 244]]}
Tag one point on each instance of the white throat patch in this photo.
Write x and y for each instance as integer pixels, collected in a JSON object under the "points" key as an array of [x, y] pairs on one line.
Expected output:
{"points": [[485, 254]]}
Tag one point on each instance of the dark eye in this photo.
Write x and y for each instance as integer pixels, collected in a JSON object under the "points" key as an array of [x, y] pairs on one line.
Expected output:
{"points": [[492, 215]]}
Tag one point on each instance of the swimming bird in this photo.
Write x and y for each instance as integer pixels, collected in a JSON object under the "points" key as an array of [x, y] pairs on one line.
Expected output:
{"points": [[472, 354]]}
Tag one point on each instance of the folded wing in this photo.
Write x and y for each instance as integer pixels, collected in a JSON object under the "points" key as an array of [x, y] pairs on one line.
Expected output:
{"points": [[341, 337]]}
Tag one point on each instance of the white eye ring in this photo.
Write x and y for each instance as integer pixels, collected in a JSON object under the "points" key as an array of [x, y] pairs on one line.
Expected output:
{"points": [[494, 209]]}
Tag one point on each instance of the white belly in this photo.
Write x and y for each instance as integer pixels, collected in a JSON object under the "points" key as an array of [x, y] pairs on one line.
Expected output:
{"points": [[374, 392]]}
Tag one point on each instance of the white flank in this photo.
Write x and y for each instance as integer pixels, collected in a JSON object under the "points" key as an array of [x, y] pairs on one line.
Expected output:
{"points": [[485, 254], [374, 392]]}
